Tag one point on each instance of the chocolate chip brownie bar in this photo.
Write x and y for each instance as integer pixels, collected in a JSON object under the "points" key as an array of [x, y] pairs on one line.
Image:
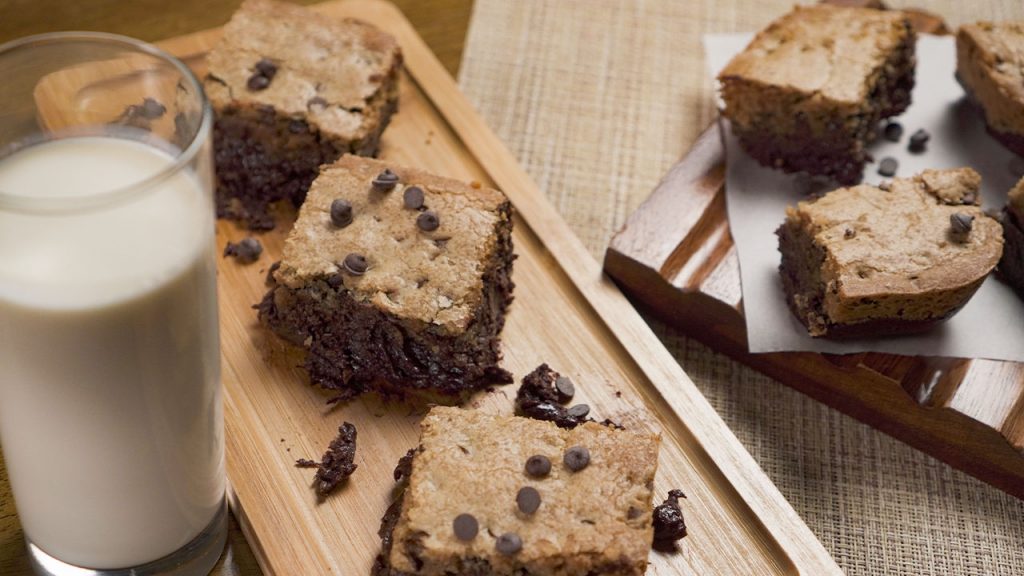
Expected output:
{"points": [[807, 93], [867, 260], [292, 90], [1012, 264], [990, 67], [396, 281], [504, 495]]}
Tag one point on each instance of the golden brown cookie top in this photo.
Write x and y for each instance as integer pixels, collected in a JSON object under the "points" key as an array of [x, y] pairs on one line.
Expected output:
{"points": [[324, 70], [990, 63], [474, 463], [412, 270], [832, 52]]}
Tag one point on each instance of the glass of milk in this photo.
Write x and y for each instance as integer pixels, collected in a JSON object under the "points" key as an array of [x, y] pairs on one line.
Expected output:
{"points": [[111, 422]]}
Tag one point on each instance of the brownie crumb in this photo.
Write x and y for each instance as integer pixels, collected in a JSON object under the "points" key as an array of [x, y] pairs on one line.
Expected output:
{"points": [[246, 251], [337, 463], [404, 467], [538, 398], [669, 525]]}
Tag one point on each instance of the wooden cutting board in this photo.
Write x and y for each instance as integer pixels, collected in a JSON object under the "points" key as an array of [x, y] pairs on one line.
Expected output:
{"points": [[566, 313], [675, 255]]}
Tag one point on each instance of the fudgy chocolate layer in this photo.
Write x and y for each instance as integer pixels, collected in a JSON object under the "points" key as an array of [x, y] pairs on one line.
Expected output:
{"points": [[263, 157], [355, 347], [1012, 264]]}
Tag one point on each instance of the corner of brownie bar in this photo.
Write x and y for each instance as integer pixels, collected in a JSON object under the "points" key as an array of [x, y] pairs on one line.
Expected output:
{"points": [[291, 91], [396, 281]]}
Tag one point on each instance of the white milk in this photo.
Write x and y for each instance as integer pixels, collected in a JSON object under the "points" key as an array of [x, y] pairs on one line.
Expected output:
{"points": [[110, 408]]}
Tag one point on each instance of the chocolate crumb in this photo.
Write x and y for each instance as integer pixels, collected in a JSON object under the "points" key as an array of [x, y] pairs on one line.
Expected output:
{"points": [[893, 131], [609, 423], [337, 463], [428, 221], [538, 466], [888, 166], [961, 223], [413, 197], [465, 527], [576, 458], [528, 500], [669, 525], [355, 264], [246, 251], [537, 398], [341, 212], [385, 181], [919, 141], [509, 543]]}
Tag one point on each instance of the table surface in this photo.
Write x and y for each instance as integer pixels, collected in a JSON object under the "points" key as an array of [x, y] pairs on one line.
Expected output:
{"points": [[441, 23]]}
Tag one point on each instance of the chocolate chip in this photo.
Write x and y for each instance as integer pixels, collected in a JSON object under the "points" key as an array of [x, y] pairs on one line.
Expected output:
{"points": [[888, 166], [355, 264], [538, 466], [919, 141], [564, 388], [465, 527], [509, 543], [413, 197], [576, 458], [266, 67], [385, 181], [668, 521], [246, 251], [849, 233], [341, 212], [579, 411], [633, 513], [257, 82], [961, 223], [528, 500], [428, 221], [893, 131]]}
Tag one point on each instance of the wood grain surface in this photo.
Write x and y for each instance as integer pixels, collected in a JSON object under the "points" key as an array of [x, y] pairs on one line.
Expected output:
{"points": [[566, 313], [675, 256]]}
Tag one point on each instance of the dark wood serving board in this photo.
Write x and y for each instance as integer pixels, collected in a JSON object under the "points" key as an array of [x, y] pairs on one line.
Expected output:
{"points": [[675, 256]]}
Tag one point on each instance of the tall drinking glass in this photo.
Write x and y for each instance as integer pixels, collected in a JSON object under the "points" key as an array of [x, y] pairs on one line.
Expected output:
{"points": [[110, 400]]}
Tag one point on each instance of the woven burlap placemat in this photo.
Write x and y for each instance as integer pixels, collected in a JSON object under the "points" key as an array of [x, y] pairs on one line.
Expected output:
{"points": [[598, 99]]}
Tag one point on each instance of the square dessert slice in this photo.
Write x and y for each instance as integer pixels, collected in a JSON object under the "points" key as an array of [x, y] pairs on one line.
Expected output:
{"points": [[504, 495], [990, 67], [867, 260], [1012, 264], [808, 92], [396, 281], [291, 90]]}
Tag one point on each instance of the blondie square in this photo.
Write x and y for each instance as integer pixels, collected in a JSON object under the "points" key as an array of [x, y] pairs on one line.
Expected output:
{"points": [[291, 90], [807, 93], [504, 495], [990, 67], [396, 281]]}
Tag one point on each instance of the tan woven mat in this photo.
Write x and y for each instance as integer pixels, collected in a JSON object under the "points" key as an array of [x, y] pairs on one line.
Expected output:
{"points": [[598, 99]]}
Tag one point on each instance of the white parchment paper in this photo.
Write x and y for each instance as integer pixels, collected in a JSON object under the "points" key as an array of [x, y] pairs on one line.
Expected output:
{"points": [[990, 326]]}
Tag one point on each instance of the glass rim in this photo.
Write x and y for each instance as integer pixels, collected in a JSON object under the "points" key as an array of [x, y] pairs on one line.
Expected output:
{"points": [[182, 157]]}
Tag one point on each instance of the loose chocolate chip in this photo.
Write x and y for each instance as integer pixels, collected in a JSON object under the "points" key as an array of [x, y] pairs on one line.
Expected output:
{"points": [[413, 197], [538, 466], [355, 264], [465, 527], [246, 251], [888, 166], [576, 458], [961, 223], [564, 388], [509, 543], [428, 221], [850, 233], [579, 411], [669, 525], [893, 131], [528, 500], [919, 141], [341, 212], [267, 68], [385, 181]]}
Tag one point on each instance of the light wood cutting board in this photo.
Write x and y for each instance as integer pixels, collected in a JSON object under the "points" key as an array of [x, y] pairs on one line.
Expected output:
{"points": [[566, 313]]}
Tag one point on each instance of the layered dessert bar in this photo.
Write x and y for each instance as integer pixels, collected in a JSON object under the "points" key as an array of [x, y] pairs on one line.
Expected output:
{"points": [[807, 94], [291, 90], [504, 495], [1012, 264], [396, 281], [869, 260], [990, 67]]}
